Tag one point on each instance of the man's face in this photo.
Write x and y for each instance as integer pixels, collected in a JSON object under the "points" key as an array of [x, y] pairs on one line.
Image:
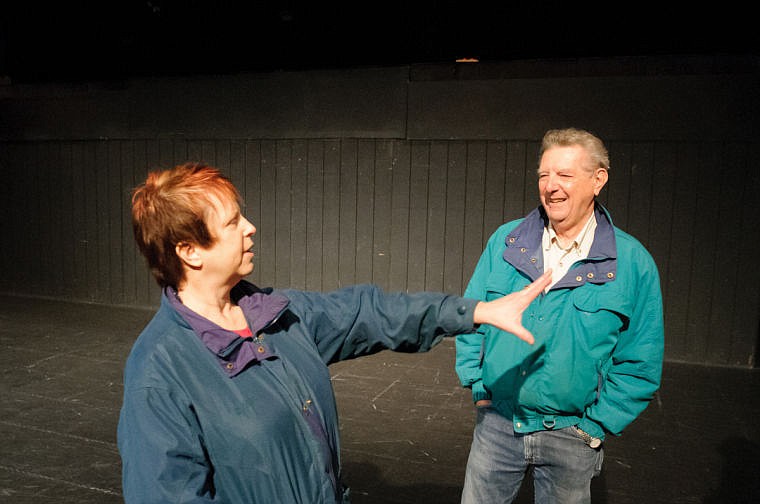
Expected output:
{"points": [[567, 184], [229, 259]]}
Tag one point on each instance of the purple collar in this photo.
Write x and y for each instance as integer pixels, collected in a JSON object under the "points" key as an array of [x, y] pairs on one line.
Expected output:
{"points": [[233, 352]]}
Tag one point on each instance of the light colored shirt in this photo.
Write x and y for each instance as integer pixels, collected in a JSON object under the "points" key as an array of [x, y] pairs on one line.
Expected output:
{"points": [[560, 259]]}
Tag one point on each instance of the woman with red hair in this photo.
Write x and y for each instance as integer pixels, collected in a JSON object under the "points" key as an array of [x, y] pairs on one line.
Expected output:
{"points": [[227, 393]]}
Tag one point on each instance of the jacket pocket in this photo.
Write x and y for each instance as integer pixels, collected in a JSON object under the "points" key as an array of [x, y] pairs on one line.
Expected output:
{"points": [[601, 310], [499, 284]]}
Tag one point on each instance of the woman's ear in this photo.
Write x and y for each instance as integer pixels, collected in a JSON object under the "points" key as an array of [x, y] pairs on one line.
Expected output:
{"points": [[188, 254]]}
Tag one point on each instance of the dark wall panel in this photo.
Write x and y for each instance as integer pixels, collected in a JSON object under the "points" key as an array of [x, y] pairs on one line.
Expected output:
{"points": [[408, 215], [400, 183]]}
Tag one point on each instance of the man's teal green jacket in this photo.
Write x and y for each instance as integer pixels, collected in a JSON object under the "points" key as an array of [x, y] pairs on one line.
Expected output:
{"points": [[597, 359]]}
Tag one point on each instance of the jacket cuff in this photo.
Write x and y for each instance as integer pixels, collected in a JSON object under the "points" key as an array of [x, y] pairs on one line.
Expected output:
{"points": [[591, 427], [461, 319], [479, 392]]}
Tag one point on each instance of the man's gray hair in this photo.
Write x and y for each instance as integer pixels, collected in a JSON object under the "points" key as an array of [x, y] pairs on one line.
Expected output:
{"points": [[568, 137]]}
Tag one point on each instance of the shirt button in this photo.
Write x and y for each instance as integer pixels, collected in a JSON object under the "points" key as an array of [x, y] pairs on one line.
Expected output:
{"points": [[524, 372], [518, 425], [462, 310]]}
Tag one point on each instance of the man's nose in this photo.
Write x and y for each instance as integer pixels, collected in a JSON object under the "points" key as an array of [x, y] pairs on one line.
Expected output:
{"points": [[550, 183]]}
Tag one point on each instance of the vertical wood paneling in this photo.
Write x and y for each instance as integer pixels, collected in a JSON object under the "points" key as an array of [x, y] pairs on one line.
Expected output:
{"points": [[365, 207], [661, 225], [144, 161], [399, 222], [282, 212], [156, 158], [418, 211], [90, 215], [222, 158], [741, 275], [79, 236], [640, 196], [331, 215], [494, 191], [436, 217], [33, 216], [474, 210], [681, 251], [195, 151], [516, 183], [530, 177], [65, 225], [406, 215], [727, 242], [453, 247], [51, 215], [130, 261], [10, 194], [347, 233], [314, 221], [251, 192], [101, 229], [267, 257], [381, 215], [113, 215], [298, 214], [704, 246], [744, 347], [617, 192]]}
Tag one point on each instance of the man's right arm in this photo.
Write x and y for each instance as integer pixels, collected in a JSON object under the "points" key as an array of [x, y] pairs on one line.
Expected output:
{"points": [[469, 347]]}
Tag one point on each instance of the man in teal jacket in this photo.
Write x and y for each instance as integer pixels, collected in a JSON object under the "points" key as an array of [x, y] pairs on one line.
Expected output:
{"points": [[598, 329]]}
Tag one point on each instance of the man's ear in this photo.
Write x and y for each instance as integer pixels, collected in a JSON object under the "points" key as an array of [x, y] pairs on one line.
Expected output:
{"points": [[188, 254], [600, 178]]}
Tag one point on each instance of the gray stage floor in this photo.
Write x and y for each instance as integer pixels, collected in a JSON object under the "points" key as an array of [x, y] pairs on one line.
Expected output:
{"points": [[406, 423]]}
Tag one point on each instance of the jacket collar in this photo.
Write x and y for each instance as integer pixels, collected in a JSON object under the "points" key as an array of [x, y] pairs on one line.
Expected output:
{"points": [[234, 352], [523, 250]]}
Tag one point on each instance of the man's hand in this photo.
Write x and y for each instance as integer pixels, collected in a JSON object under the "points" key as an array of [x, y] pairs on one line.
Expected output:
{"points": [[506, 312]]}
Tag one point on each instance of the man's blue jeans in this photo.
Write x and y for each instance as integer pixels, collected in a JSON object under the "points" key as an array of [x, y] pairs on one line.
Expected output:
{"points": [[563, 464]]}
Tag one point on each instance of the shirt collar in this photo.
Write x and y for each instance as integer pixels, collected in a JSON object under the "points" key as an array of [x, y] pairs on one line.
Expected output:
{"points": [[581, 242]]}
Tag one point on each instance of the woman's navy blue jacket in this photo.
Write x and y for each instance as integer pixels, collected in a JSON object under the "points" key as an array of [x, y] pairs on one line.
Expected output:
{"points": [[209, 416]]}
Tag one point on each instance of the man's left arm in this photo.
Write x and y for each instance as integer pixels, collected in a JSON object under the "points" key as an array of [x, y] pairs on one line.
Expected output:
{"points": [[636, 364]]}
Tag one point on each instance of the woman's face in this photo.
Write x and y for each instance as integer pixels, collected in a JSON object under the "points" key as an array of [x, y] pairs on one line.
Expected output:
{"points": [[229, 258]]}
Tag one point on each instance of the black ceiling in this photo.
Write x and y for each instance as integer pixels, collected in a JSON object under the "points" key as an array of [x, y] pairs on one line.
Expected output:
{"points": [[65, 41]]}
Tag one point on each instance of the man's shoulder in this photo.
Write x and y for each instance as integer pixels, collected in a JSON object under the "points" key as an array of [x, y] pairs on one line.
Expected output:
{"points": [[627, 240], [504, 229], [629, 247]]}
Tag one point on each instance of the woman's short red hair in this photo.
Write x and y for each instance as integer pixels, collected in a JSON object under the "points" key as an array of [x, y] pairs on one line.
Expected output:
{"points": [[171, 207]]}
